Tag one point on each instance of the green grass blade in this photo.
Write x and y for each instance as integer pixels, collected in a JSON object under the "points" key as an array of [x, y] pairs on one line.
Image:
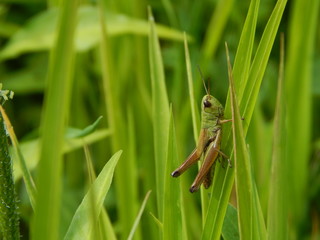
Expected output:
{"points": [[216, 26], [230, 230], [84, 132], [107, 231], [277, 209], [215, 216], [195, 121], [260, 61], [251, 222], [298, 72], [42, 27], [124, 175], [243, 177], [194, 110], [247, 103], [160, 114], [243, 56], [131, 183], [30, 186], [31, 149], [46, 219], [136, 222], [81, 227], [172, 209]]}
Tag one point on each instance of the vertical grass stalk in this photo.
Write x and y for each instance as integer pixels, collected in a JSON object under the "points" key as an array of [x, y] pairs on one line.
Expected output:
{"points": [[55, 115], [9, 217]]}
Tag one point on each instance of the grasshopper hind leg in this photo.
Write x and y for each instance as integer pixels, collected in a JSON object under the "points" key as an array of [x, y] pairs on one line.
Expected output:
{"points": [[208, 178], [192, 159], [205, 170]]}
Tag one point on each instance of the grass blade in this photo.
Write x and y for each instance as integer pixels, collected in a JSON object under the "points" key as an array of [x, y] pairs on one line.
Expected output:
{"points": [[194, 109], [277, 210], [260, 61], [84, 132], [30, 150], [247, 103], [117, 122], [172, 204], [230, 230], [30, 186], [107, 230], [87, 33], [81, 226], [46, 219], [160, 112], [215, 215], [216, 26], [301, 47], [251, 222], [136, 222], [242, 166], [195, 122]]}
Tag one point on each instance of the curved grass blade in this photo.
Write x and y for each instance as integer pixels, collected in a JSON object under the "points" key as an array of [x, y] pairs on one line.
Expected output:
{"points": [[87, 33], [84, 132], [81, 226], [30, 150]]}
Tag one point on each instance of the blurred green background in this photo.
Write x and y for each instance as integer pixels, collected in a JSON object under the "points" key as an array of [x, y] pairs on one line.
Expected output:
{"points": [[27, 35]]}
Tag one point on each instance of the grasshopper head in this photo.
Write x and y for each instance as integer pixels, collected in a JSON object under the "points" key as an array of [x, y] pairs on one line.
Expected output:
{"points": [[211, 105]]}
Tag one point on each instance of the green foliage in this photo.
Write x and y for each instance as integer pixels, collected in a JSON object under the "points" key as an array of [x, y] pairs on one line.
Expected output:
{"points": [[60, 76], [81, 227], [129, 62], [9, 216]]}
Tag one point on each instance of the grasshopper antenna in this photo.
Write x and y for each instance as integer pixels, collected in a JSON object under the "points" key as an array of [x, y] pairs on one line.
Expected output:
{"points": [[204, 84]]}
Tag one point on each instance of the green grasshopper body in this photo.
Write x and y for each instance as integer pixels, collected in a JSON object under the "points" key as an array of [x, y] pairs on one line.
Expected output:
{"points": [[208, 144]]}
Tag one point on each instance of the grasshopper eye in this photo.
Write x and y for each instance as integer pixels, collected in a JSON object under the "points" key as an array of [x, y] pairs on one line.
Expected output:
{"points": [[206, 103]]}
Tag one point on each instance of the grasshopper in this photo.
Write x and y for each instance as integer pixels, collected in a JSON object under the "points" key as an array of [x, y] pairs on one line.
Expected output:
{"points": [[212, 118]]}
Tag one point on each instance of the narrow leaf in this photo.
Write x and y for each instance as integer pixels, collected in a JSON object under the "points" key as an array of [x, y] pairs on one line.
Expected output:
{"points": [[75, 133], [56, 106], [136, 222], [242, 165], [303, 32], [230, 230], [247, 102], [43, 26], [160, 108], [277, 209], [81, 226], [30, 186], [172, 213], [30, 150], [224, 180]]}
